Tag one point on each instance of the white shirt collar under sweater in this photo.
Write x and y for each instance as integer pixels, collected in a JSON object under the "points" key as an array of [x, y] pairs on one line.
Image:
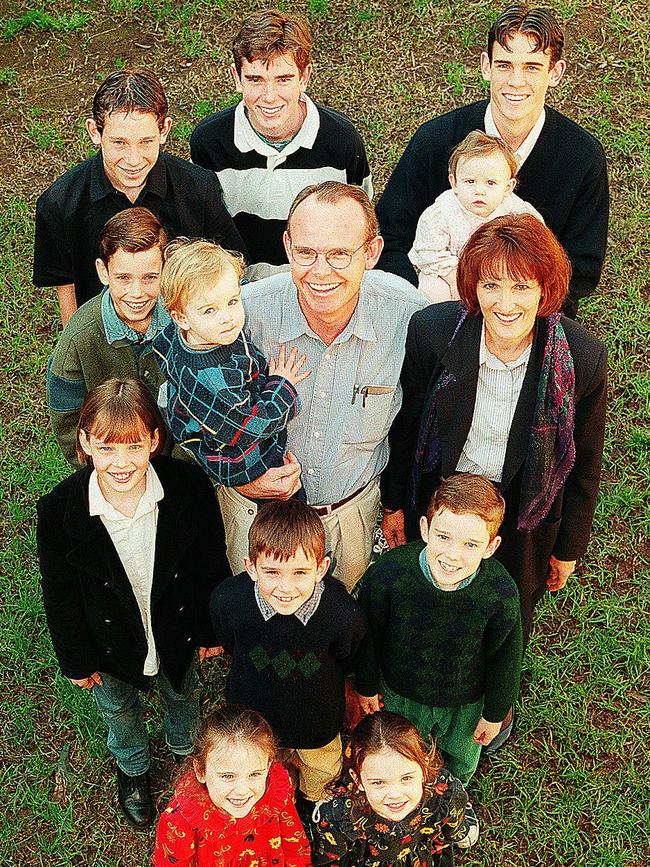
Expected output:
{"points": [[523, 151]]}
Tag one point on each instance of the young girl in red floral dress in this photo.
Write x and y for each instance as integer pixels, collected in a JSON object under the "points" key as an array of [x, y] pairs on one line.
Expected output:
{"points": [[233, 804], [400, 808]]}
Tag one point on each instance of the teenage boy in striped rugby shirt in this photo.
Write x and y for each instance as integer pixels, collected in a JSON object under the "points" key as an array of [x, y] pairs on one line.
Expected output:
{"points": [[276, 141]]}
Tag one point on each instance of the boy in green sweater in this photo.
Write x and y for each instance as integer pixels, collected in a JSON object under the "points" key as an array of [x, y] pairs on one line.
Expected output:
{"points": [[445, 621]]}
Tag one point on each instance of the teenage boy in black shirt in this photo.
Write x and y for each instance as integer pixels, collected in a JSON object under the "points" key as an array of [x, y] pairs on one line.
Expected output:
{"points": [[130, 123]]}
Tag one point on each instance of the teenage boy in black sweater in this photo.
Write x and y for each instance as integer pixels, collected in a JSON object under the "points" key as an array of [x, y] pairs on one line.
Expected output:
{"points": [[446, 626], [562, 169], [294, 633]]}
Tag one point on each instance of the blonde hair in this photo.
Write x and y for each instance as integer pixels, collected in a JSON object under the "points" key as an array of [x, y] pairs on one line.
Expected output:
{"points": [[479, 144], [190, 264]]}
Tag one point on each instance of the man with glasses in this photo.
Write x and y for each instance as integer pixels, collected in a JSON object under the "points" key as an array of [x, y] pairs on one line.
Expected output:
{"points": [[350, 322]]}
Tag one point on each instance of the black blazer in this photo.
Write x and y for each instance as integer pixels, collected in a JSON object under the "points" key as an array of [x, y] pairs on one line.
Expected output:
{"points": [[91, 610], [565, 531]]}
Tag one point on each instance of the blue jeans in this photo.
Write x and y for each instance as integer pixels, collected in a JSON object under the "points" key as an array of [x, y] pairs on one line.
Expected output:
{"points": [[120, 706]]}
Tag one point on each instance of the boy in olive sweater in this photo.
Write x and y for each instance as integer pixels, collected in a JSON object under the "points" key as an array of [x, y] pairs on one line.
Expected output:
{"points": [[445, 622]]}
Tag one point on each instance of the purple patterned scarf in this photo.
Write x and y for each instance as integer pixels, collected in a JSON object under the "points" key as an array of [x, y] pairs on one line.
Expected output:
{"points": [[551, 450]]}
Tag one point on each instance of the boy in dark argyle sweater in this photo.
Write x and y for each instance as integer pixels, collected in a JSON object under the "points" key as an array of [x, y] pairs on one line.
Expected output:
{"points": [[294, 633], [444, 617], [225, 404]]}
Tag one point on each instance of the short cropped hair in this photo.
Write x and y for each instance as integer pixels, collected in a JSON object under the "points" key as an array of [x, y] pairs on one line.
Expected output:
{"points": [[189, 265], [479, 144], [521, 247], [133, 230], [119, 411], [127, 90], [537, 24], [332, 192], [268, 34], [467, 494], [281, 527]]}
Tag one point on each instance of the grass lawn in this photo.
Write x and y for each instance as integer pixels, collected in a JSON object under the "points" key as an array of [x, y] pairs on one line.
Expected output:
{"points": [[572, 788]]}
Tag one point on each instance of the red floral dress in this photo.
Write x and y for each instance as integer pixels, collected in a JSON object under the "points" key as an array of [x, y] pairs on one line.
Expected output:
{"points": [[351, 838], [192, 832]]}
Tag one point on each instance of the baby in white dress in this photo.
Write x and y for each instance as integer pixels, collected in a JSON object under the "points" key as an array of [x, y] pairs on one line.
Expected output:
{"points": [[482, 172]]}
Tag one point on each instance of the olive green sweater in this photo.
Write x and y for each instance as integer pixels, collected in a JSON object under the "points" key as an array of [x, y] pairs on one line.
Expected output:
{"points": [[82, 359], [445, 648]]}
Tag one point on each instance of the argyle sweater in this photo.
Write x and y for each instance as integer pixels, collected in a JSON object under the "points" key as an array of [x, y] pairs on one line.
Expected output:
{"points": [[294, 673], [225, 408], [445, 648]]}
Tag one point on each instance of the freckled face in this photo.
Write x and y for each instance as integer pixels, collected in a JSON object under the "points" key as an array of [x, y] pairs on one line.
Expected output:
{"points": [[393, 784]]}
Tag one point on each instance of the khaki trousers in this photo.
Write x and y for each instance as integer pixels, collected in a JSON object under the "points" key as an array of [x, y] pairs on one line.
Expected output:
{"points": [[318, 768], [349, 530]]}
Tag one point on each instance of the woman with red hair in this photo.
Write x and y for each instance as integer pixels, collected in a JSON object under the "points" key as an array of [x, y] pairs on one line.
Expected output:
{"points": [[502, 385]]}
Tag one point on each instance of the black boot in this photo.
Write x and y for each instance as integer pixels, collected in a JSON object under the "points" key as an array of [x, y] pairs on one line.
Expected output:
{"points": [[134, 798]]}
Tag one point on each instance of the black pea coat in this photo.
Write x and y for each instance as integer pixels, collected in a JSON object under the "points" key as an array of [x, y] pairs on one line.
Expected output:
{"points": [[92, 613], [566, 529]]}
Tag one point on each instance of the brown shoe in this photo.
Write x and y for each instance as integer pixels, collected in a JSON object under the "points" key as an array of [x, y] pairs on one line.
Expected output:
{"points": [[134, 798]]}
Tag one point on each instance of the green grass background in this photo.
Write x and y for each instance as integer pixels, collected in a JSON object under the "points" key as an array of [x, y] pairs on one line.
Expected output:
{"points": [[572, 788]]}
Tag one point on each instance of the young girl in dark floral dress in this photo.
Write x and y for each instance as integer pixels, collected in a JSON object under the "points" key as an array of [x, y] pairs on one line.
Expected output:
{"points": [[400, 807]]}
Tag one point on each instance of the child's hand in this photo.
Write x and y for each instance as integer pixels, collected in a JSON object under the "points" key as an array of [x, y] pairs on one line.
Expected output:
{"points": [[289, 369], [485, 731], [369, 703], [207, 652], [88, 682]]}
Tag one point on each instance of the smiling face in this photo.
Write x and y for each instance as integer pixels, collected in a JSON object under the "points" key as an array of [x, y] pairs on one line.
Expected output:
{"points": [[130, 144], [456, 545], [235, 776], [482, 183], [393, 784], [519, 77], [213, 315], [121, 466], [133, 281], [287, 584], [271, 94], [509, 307], [327, 294]]}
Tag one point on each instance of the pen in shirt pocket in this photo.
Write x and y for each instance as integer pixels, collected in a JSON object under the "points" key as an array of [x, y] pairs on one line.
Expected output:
{"points": [[365, 390]]}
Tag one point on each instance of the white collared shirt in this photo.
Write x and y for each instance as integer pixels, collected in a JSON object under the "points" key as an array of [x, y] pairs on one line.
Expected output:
{"points": [[497, 392], [523, 151], [135, 542]]}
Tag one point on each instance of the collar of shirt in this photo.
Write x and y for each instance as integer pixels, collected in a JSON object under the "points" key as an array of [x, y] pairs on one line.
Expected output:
{"points": [[99, 505], [116, 330], [524, 149], [424, 565], [294, 324], [490, 360], [306, 610], [100, 186], [246, 139]]}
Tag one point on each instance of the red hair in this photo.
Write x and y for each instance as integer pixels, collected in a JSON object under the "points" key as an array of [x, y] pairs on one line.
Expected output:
{"points": [[521, 247]]}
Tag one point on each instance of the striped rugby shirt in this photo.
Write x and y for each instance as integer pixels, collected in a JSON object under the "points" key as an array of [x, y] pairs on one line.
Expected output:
{"points": [[259, 183]]}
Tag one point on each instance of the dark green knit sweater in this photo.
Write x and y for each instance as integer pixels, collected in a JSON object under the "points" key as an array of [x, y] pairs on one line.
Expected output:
{"points": [[445, 648]]}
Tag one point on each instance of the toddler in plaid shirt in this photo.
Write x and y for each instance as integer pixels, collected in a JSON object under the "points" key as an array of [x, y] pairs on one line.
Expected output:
{"points": [[226, 405]]}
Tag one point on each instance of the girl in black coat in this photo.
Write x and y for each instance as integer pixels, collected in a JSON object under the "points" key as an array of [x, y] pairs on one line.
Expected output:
{"points": [[130, 548]]}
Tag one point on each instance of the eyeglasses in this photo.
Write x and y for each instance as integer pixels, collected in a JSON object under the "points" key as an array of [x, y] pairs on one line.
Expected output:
{"points": [[339, 259]]}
